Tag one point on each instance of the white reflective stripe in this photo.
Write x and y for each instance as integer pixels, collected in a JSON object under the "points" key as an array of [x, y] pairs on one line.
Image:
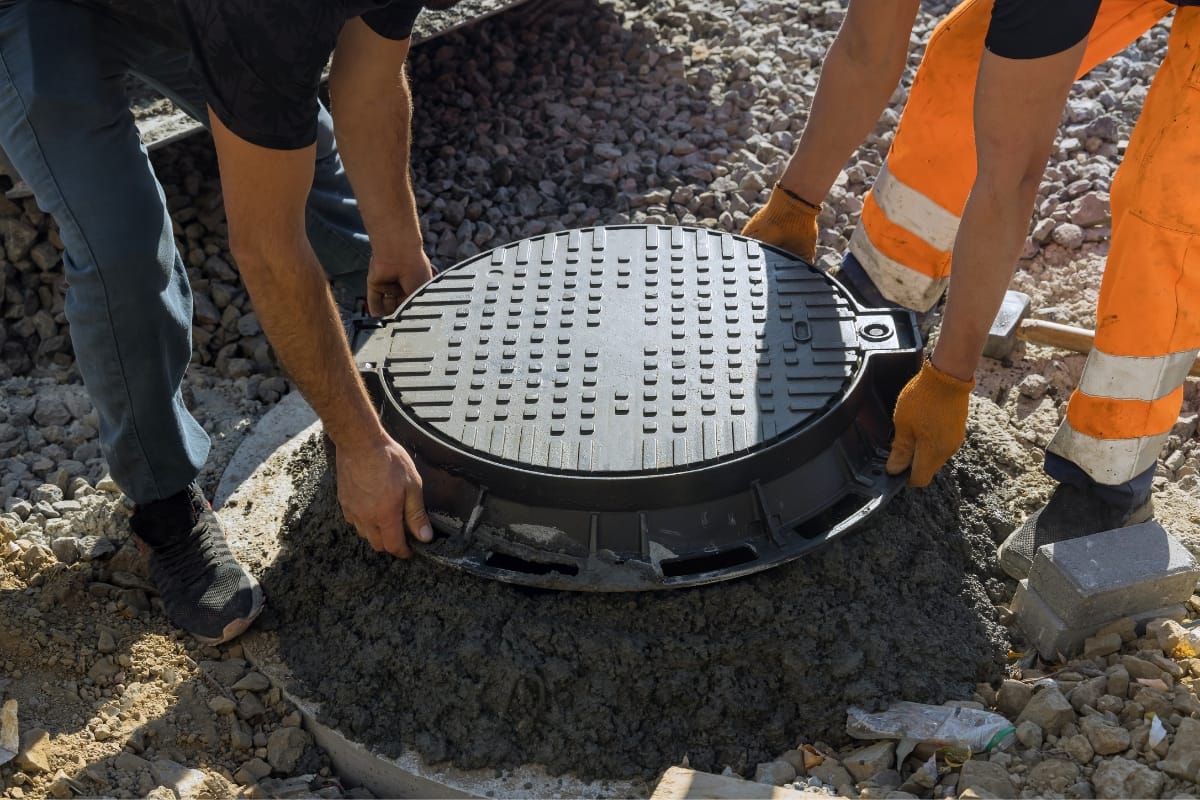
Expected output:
{"points": [[896, 282], [1134, 377], [1107, 461], [915, 212]]}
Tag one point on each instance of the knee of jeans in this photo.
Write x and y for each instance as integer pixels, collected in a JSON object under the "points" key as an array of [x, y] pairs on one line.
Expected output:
{"points": [[137, 250]]}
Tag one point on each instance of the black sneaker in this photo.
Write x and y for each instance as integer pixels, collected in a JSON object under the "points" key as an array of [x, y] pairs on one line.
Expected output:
{"points": [[204, 589], [1071, 513], [856, 280]]}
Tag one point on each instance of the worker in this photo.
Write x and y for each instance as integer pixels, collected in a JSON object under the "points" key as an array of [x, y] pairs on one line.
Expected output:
{"points": [[261, 64], [958, 187], [66, 125]]}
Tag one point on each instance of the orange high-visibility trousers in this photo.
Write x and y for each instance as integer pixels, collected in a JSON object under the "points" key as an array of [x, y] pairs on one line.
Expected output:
{"points": [[1148, 318], [910, 217]]}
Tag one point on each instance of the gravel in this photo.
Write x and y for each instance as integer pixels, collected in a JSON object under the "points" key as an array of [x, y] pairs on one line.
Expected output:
{"points": [[542, 118]]}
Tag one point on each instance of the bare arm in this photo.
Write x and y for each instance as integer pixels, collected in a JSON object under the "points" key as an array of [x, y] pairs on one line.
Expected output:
{"points": [[372, 110], [265, 192], [861, 70], [1018, 103]]}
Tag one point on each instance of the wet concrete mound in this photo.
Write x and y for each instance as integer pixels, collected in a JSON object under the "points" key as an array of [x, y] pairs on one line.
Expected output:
{"points": [[477, 673]]}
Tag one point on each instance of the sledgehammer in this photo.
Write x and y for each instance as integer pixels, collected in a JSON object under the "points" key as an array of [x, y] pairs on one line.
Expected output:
{"points": [[1011, 324]]}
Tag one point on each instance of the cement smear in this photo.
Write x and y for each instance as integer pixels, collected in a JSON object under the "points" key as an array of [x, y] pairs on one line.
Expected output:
{"points": [[482, 674]]}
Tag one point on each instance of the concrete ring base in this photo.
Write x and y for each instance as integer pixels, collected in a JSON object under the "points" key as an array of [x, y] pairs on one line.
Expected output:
{"points": [[252, 500]]}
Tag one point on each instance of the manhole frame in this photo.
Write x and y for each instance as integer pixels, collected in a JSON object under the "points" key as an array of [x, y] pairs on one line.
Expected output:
{"points": [[476, 495]]}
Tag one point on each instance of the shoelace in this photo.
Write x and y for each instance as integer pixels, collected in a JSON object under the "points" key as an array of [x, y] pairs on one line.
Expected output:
{"points": [[191, 558]]}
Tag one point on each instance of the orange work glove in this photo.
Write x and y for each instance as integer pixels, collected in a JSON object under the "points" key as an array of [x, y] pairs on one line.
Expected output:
{"points": [[931, 423], [788, 222]]}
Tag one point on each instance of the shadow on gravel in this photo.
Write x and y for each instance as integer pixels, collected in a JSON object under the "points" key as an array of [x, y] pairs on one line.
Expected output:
{"points": [[560, 115]]}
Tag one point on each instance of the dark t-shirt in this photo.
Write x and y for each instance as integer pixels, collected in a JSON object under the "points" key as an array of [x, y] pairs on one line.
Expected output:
{"points": [[261, 60], [157, 19], [1039, 28]]}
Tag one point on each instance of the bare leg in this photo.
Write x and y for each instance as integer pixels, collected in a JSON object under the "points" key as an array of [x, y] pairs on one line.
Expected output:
{"points": [[861, 71]]}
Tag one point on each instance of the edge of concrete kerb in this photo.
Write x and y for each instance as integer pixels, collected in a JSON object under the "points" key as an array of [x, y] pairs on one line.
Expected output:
{"points": [[252, 499]]}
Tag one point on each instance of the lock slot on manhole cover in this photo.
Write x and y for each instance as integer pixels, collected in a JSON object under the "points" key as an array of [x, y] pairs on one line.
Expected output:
{"points": [[638, 407]]}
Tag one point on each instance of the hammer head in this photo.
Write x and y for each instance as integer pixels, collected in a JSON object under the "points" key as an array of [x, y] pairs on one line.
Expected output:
{"points": [[1002, 337]]}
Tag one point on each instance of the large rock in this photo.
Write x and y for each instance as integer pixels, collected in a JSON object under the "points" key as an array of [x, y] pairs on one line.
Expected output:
{"points": [[1118, 680], [1105, 738], [19, 237], [1049, 709], [832, 774], [1068, 235], [34, 756], [1183, 759], [185, 782], [1079, 748], [1090, 209], [226, 673], [1140, 667], [287, 745], [774, 773], [252, 771], [252, 682], [867, 762], [1054, 774], [10, 740], [1088, 692], [1119, 778], [1102, 645], [1012, 697], [1173, 638], [985, 778]]}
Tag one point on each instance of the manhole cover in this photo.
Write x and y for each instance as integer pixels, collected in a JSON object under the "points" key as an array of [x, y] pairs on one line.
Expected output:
{"points": [[640, 407]]}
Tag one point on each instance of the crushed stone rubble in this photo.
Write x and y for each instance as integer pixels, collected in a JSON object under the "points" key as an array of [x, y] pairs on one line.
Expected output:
{"points": [[1120, 721], [663, 112]]}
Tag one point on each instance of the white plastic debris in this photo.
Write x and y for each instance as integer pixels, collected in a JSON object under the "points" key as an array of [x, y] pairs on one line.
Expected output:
{"points": [[1157, 731], [981, 731]]}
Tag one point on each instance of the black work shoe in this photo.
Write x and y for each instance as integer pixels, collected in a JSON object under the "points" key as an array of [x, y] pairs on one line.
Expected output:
{"points": [[1071, 513], [859, 283], [204, 589], [856, 280]]}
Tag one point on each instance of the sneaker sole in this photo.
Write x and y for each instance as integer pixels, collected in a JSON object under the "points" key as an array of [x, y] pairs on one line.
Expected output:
{"points": [[238, 626], [1017, 566]]}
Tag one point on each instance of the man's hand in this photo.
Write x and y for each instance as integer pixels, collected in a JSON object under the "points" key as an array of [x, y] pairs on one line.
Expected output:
{"points": [[389, 283], [788, 222], [380, 493], [931, 423]]}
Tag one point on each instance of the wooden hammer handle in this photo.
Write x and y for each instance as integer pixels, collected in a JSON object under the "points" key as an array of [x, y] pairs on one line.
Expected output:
{"points": [[1067, 337]]}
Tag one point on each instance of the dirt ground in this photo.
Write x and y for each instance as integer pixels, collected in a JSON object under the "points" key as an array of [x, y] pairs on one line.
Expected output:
{"points": [[126, 699]]}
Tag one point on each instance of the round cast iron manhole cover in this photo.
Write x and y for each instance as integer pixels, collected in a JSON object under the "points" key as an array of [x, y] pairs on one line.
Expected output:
{"points": [[638, 407]]}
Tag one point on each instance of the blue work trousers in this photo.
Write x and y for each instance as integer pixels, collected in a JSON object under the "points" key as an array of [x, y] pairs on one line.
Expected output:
{"points": [[66, 124]]}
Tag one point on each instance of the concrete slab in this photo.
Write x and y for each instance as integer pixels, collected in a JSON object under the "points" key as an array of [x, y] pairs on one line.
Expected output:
{"points": [[1117, 573], [1053, 637]]}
